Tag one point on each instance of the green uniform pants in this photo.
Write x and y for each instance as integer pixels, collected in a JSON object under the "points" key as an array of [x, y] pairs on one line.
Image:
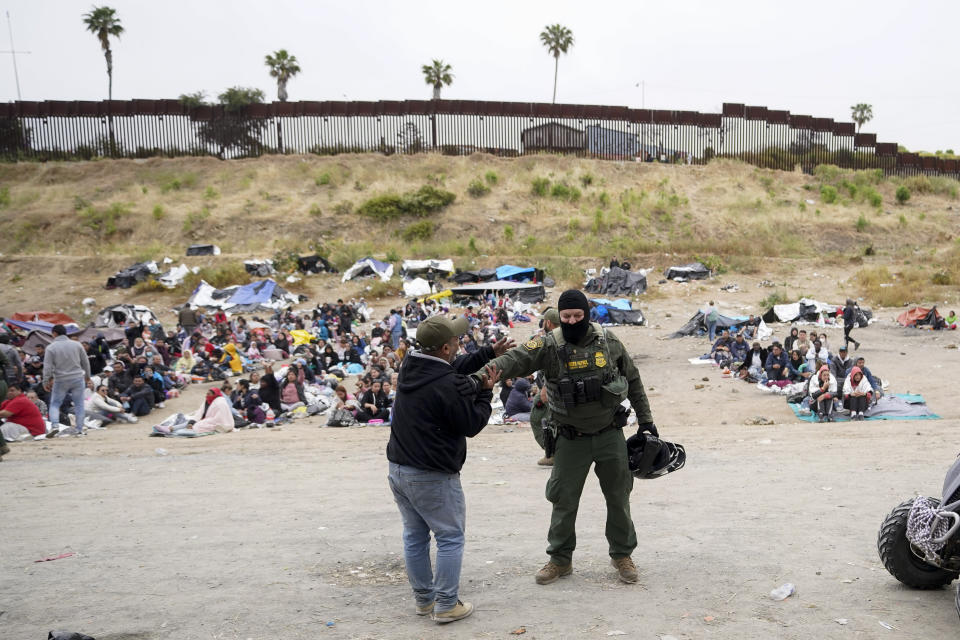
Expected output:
{"points": [[537, 415], [571, 464]]}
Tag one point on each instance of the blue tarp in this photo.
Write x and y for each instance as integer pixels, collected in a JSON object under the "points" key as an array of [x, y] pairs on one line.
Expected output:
{"points": [[897, 406], [620, 303], [40, 325], [254, 293], [510, 272]]}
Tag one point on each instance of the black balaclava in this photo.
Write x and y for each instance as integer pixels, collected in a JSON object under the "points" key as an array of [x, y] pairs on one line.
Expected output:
{"points": [[574, 299]]}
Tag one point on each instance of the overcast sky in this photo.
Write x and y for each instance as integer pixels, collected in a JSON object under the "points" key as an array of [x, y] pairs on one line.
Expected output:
{"points": [[813, 57]]}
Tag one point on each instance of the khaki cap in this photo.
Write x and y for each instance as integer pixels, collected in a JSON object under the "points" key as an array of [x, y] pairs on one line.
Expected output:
{"points": [[437, 330]]}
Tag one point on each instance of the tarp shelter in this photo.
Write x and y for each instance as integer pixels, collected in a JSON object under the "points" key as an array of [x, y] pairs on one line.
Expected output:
{"points": [[256, 296], [126, 278], [618, 282], [692, 271], [120, 314], [413, 268], [314, 264], [174, 277], [203, 250], [262, 268], [698, 323], [808, 310], [620, 311], [921, 316], [519, 274], [41, 326], [522, 291], [416, 287], [43, 316], [112, 336], [368, 267], [479, 275]]}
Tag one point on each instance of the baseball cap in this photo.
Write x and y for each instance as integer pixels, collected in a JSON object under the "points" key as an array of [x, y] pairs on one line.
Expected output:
{"points": [[552, 315], [436, 330]]}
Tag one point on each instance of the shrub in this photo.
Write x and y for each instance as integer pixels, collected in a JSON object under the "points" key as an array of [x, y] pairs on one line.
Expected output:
{"points": [[562, 191], [902, 194], [210, 193], [604, 199], [872, 196], [104, 221], [78, 203], [472, 246], [422, 230], [344, 208], [478, 189], [316, 211], [508, 233], [828, 194], [775, 298], [586, 180], [4, 197], [195, 220], [540, 186], [392, 255], [323, 179], [903, 220], [158, 212], [491, 177], [941, 277], [423, 202], [862, 224]]}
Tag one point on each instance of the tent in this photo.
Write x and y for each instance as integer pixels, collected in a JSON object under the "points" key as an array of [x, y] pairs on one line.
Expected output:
{"points": [[921, 316], [618, 282], [43, 316], [692, 271], [366, 267], [479, 275], [126, 278], [413, 268], [698, 323], [262, 268], [314, 264], [203, 250], [621, 311], [808, 310], [112, 335], [522, 291], [120, 314], [519, 274], [263, 295]]}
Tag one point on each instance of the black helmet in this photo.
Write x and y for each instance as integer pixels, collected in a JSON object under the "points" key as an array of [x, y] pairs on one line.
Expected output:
{"points": [[650, 457]]}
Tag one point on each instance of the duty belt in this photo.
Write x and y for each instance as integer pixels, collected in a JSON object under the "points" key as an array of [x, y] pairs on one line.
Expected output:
{"points": [[568, 432]]}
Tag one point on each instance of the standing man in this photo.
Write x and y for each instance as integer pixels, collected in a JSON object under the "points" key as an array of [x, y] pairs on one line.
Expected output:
{"points": [[66, 369], [849, 322], [541, 411], [588, 374], [396, 328], [187, 318], [13, 366], [437, 407]]}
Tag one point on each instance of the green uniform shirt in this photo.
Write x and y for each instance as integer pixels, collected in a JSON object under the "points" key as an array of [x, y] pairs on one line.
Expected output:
{"points": [[543, 354]]}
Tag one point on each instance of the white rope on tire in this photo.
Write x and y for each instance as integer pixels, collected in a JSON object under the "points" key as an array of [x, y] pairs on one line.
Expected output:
{"points": [[925, 524]]}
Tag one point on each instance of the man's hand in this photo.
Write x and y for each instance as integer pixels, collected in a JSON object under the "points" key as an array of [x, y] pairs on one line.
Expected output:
{"points": [[48, 385], [502, 345], [489, 377]]}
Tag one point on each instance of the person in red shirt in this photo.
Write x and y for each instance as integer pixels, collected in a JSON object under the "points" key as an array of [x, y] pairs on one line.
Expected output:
{"points": [[21, 417]]}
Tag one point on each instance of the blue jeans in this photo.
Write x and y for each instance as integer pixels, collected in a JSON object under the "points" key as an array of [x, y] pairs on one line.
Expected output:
{"points": [[395, 339], [712, 330], [73, 386], [431, 501]]}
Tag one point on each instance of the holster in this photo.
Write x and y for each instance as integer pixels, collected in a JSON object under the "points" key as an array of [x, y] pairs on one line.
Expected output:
{"points": [[549, 439]]}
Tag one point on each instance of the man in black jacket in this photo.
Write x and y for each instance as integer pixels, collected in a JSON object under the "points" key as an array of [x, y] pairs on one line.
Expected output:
{"points": [[436, 409]]}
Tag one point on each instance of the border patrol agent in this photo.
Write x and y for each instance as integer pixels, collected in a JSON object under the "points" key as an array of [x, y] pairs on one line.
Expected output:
{"points": [[588, 374], [540, 411]]}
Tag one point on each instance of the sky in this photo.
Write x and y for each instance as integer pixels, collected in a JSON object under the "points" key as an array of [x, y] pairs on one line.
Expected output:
{"points": [[813, 57]]}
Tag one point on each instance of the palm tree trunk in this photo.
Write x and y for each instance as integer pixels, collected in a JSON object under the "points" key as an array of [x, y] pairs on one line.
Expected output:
{"points": [[556, 64], [279, 136], [108, 54], [436, 92]]}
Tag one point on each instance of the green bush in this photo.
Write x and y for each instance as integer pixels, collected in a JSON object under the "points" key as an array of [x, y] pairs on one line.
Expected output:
{"points": [[828, 194], [422, 230], [323, 179], [4, 197], [562, 191], [862, 224], [586, 180], [104, 221], [775, 298], [902, 194], [540, 187], [316, 211], [158, 212], [491, 177], [872, 196], [478, 189], [604, 199], [195, 220], [508, 233], [344, 208], [423, 202], [941, 277], [210, 193]]}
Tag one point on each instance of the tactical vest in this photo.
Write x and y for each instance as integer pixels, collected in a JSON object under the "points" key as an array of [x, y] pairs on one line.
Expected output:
{"points": [[584, 385]]}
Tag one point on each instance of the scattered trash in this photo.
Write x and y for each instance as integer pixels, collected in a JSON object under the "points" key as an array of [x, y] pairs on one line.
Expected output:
{"points": [[489, 561], [699, 386], [767, 283], [616, 633], [841, 621], [783, 592], [62, 555], [732, 287], [827, 488], [885, 625], [705, 379], [160, 451], [331, 623], [667, 638], [519, 631], [68, 635], [708, 618], [758, 420], [952, 345]]}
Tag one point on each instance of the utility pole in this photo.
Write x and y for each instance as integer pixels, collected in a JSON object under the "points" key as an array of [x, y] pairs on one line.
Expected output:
{"points": [[13, 54]]}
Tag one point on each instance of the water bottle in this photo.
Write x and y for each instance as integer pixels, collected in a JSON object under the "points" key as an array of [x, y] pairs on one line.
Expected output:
{"points": [[783, 592], [160, 451]]}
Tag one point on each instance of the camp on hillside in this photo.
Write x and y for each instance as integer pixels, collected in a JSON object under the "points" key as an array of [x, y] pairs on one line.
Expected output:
{"points": [[123, 314], [414, 268], [808, 310], [261, 268], [479, 275], [315, 264], [367, 268], [698, 324], [138, 272], [684, 272], [523, 291], [522, 274], [263, 295], [922, 317], [617, 312], [618, 282]]}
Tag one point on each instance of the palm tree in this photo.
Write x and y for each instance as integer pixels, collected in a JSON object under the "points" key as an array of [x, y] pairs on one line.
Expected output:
{"points": [[557, 39], [861, 113], [283, 66], [437, 74], [103, 23]]}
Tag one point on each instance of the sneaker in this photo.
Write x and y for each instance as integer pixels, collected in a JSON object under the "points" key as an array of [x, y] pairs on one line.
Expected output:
{"points": [[545, 462], [626, 569], [129, 417], [856, 346], [161, 405], [552, 572], [459, 612], [66, 433], [4, 447], [425, 610], [90, 423]]}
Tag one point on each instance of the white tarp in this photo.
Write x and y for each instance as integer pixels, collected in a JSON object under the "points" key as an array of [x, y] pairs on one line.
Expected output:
{"points": [[441, 266], [174, 277], [416, 287], [788, 312], [117, 314], [206, 295], [382, 269]]}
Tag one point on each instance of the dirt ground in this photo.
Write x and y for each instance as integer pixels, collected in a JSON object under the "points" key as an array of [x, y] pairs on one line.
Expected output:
{"points": [[292, 533]]}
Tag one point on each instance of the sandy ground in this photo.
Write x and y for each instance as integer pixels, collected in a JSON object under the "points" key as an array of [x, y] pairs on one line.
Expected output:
{"points": [[292, 532]]}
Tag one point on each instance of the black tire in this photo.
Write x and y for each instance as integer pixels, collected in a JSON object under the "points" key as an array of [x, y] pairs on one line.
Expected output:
{"points": [[957, 602], [898, 555]]}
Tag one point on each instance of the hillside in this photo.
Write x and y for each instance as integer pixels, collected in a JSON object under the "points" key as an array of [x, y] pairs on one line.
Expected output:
{"points": [[65, 223]]}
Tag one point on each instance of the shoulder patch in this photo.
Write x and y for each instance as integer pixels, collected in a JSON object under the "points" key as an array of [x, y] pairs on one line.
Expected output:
{"points": [[534, 343]]}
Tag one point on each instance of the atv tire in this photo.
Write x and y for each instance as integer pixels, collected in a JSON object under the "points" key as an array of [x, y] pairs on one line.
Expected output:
{"points": [[958, 599], [898, 555]]}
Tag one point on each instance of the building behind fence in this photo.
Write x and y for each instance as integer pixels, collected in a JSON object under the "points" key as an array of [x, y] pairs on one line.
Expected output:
{"points": [[61, 130]]}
